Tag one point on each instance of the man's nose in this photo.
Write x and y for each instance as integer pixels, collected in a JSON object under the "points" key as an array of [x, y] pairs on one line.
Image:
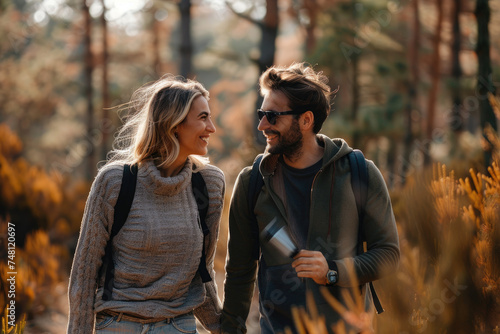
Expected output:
{"points": [[263, 124]]}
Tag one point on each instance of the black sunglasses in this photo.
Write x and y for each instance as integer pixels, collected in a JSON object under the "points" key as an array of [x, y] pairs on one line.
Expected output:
{"points": [[272, 116]]}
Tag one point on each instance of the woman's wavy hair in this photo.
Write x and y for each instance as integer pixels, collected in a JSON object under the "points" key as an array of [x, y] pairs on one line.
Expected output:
{"points": [[155, 110], [304, 88]]}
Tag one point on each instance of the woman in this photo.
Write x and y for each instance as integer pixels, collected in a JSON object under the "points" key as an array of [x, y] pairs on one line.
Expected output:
{"points": [[157, 287]]}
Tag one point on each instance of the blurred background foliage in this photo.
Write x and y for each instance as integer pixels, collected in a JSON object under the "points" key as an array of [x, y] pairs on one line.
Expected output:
{"points": [[416, 87]]}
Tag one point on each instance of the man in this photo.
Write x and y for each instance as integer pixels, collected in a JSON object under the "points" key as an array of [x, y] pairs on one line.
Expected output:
{"points": [[307, 188]]}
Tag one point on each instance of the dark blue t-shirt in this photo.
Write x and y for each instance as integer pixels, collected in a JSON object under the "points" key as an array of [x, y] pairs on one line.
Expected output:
{"points": [[298, 183]]}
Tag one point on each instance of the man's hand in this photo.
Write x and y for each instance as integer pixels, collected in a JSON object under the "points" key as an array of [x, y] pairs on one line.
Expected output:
{"points": [[311, 264]]}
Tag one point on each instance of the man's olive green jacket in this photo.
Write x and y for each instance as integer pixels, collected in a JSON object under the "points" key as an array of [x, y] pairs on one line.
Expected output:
{"points": [[333, 230]]}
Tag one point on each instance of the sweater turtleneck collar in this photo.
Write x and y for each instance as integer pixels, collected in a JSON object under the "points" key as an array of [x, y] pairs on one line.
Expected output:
{"points": [[168, 186]]}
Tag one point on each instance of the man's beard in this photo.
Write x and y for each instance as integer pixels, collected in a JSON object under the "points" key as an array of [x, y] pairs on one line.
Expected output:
{"points": [[289, 142]]}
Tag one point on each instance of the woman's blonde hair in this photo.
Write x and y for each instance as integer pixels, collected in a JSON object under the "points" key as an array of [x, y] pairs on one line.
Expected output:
{"points": [[156, 109]]}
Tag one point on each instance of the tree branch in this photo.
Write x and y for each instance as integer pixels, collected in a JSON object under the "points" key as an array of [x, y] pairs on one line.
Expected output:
{"points": [[243, 16]]}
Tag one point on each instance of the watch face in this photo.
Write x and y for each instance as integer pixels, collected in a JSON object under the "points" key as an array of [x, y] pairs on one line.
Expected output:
{"points": [[332, 277]]}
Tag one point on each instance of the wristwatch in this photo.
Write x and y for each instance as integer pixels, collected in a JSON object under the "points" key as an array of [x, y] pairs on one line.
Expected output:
{"points": [[331, 277]]}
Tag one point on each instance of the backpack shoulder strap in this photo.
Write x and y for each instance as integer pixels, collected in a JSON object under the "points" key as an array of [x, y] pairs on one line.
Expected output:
{"points": [[254, 187], [255, 184], [359, 182], [121, 211], [201, 195]]}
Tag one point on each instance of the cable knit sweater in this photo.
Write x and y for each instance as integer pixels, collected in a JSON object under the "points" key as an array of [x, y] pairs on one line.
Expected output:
{"points": [[156, 253]]}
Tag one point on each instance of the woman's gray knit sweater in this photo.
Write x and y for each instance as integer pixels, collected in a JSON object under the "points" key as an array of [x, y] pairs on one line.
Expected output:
{"points": [[156, 253]]}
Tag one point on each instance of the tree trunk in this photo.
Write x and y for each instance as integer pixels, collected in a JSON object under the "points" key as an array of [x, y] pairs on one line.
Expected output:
{"points": [[435, 75], [105, 85], [355, 93], [355, 101], [269, 29], [156, 44], [88, 68], [312, 11], [484, 84], [186, 48], [456, 121], [412, 91]]}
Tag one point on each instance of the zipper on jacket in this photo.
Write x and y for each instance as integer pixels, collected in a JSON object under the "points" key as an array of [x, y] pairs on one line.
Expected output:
{"points": [[312, 187], [310, 205], [310, 213]]}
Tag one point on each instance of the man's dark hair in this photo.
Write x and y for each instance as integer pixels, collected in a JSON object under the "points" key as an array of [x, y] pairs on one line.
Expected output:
{"points": [[304, 88]]}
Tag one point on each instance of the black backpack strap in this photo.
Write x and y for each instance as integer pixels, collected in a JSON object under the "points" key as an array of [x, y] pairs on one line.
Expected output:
{"points": [[201, 195], [122, 209], [359, 182], [254, 187]]}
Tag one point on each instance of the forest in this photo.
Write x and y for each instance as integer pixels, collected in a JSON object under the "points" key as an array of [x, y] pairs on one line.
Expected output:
{"points": [[417, 93]]}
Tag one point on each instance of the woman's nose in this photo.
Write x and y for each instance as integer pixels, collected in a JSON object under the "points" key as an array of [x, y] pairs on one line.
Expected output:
{"points": [[211, 126]]}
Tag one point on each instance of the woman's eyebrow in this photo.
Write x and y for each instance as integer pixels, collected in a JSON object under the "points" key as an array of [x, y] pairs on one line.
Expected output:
{"points": [[203, 113]]}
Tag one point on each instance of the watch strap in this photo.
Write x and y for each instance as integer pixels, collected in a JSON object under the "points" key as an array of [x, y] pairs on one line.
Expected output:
{"points": [[332, 265]]}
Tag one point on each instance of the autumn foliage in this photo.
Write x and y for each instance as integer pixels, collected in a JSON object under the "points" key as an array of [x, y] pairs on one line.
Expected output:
{"points": [[46, 213]]}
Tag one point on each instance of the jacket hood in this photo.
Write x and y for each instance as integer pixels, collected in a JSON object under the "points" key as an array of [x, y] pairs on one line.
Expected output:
{"points": [[335, 149]]}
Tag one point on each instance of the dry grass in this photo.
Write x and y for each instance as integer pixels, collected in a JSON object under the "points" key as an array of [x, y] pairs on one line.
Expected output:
{"points": [[17, 329], [449, 276]]}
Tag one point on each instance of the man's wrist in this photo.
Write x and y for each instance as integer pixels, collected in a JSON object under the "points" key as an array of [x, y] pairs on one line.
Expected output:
{"points": [[332, 265]]}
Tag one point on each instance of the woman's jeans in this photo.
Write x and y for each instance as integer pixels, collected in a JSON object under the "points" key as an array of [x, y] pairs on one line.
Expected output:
{"points": [[185, 323]]}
